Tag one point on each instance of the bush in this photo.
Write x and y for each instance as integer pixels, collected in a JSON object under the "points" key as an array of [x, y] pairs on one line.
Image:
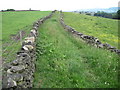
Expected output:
{"points": [[10, 10], [118, 14]]}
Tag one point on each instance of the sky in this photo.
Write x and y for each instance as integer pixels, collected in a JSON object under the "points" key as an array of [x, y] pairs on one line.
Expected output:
{"points": [[65, 5]]}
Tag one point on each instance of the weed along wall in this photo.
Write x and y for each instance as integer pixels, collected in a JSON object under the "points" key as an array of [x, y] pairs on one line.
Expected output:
{"points": [[88, 39], [19, 72]]}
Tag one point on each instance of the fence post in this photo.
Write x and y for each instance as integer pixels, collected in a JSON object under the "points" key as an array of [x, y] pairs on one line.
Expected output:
{"points": [[21, 37]]}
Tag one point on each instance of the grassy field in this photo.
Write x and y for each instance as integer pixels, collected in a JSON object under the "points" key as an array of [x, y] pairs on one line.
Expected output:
{"points": [[12, 23], [64, 61], [104, 29]]}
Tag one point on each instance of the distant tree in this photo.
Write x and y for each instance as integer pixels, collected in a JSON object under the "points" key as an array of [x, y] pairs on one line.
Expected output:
{"points": [[29, 9], [104, 14], [2, 10], [97, 14], [118, 14], [88, 14], [10, 10]]}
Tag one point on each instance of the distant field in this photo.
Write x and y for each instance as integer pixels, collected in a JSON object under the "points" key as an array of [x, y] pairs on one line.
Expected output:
{"points": [[104, 29], [12, 23]]}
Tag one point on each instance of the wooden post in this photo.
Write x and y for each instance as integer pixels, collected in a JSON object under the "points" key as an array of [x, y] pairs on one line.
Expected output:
{"points": [[21, 37]]}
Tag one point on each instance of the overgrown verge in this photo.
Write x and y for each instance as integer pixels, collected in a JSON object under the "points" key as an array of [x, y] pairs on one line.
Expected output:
{"points": [[19, 72], [89, 39]]}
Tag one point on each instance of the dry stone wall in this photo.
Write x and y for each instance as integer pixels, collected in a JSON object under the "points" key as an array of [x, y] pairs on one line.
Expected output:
{"points": [[89, 39], [19, 72]]}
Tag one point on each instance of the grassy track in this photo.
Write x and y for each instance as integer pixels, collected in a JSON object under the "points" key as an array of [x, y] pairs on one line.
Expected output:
{"points": [[104, 29], [63, 61]]}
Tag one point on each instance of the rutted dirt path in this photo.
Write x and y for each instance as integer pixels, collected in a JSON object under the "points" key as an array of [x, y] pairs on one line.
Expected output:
{"points": [[63, 61]]}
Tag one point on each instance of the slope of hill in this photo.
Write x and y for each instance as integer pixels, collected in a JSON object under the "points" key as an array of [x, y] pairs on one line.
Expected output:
{"points": [[63, 61], [104, 29]]}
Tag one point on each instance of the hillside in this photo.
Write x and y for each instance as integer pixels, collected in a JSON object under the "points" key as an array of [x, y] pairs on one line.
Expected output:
{"points": [[104, 29], [55, 58], [64, 61]]}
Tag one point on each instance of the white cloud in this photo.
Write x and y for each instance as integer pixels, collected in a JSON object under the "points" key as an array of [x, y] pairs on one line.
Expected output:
{"points": [[57, 4]]}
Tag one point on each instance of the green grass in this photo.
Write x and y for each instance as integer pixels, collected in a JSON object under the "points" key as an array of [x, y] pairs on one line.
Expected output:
{"points": [[104, 29], [12, 23], [64, 61]]}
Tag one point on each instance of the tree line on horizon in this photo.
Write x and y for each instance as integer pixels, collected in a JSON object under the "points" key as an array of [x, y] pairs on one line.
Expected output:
{"points": [[8, 10], [108, 15], [115, 15], [18, 10]]}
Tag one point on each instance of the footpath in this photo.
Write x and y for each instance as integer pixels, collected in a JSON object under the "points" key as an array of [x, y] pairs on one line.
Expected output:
{"points": [[64, 61]]}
